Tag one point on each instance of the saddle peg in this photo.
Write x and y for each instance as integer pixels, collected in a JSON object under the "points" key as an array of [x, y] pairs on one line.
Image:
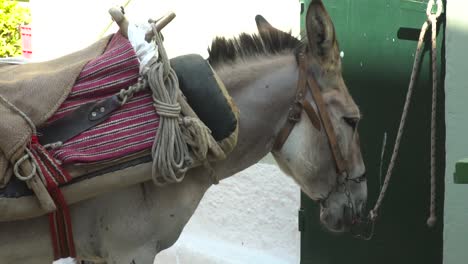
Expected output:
{"points": [[160, 24], [118, 16]]}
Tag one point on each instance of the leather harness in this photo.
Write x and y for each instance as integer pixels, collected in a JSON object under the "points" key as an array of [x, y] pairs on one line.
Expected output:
{"points": [[318, 120], [300, 103], [83, 118]]}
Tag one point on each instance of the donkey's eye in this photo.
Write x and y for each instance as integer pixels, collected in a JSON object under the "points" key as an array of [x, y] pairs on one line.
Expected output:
{"points": [[351, 121]]}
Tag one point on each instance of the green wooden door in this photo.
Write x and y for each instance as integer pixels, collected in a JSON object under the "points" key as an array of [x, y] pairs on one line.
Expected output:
{"points": [[378, 39]]}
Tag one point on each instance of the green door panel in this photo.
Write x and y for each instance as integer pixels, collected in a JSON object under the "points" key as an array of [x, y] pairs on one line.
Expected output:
{"points": [[461, 172], [378, 39]]}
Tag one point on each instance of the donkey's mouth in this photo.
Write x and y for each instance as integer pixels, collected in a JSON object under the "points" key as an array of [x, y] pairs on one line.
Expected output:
{"points": [[337, 223]]}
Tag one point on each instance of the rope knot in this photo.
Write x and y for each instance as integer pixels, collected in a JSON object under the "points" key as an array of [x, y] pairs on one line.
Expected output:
{"points": [[167, 109]]}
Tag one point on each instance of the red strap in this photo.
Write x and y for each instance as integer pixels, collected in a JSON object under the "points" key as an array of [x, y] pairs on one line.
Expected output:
{"points": [[54, 236], [66, 234], [60, 224]]}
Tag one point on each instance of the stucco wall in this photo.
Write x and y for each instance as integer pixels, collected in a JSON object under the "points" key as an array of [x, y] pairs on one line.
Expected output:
{"points": [[249, 218], [456, 91]]}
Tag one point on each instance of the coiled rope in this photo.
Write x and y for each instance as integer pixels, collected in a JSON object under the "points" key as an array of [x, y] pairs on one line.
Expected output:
{"points": [[181, 139]]}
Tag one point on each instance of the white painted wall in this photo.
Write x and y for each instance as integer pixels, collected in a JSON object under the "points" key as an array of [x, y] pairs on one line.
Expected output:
{"points": [[456, 114], [250, 218], [63, 26]]}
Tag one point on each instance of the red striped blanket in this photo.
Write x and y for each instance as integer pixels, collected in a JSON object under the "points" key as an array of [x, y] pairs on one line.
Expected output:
{"points": [[130, 129]]}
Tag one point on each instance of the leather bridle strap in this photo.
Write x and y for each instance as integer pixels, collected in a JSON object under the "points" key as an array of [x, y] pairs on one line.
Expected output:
{"points": [[323, 113], [295, 111], [300, 104]]}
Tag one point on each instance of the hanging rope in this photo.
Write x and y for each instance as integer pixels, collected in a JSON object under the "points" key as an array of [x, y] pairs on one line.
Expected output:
{"points": [[171, 155], [182, 138], [431, 20]]}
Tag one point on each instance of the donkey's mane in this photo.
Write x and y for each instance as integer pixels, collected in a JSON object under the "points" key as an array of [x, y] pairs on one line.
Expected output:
{"points": [[244, 46]]}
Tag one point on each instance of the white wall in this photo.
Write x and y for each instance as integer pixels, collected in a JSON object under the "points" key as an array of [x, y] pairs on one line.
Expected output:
{"points": [[250, 218], [456, 114], [62, 26]]}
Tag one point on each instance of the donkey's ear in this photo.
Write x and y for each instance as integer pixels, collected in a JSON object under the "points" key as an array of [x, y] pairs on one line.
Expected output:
{"points": [[263, 25], [273, 38], [320, 32], [265, 28]]}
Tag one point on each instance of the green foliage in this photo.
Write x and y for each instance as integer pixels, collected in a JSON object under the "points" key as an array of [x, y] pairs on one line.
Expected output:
{"points": [[12, 16]]}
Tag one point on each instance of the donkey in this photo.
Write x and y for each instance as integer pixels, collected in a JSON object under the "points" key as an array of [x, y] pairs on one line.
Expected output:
{"points": [[261, 74]]}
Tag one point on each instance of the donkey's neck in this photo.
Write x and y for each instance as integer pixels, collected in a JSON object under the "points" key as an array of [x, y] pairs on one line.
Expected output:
{"points": [[263, 90]]}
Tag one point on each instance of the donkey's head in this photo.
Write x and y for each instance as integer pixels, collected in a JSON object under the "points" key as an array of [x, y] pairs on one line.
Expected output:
{"points": [[306, 154]]}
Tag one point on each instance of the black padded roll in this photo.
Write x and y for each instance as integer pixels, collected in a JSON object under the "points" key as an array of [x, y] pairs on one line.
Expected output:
{"points": [[197, 82]]}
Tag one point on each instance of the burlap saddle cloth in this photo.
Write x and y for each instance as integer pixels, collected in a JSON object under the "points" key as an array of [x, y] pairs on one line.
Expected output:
{"points": [[48, 91], [38, 90]]}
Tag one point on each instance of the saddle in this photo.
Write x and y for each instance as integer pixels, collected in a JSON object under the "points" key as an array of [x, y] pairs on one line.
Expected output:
{"points": [[43, 90], [36, 89]]}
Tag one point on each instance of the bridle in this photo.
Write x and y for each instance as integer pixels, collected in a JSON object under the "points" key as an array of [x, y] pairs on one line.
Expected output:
{"points": [[300, 103], [322, 117], [318, 119]]}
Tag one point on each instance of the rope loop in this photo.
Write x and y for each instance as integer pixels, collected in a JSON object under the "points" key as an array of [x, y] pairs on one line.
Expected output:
{"points": [[430, 6], [167, 110], [16, 170]]}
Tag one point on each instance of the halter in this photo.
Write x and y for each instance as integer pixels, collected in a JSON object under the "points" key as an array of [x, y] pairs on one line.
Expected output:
{"points": [[300, 103], [317, 119]]}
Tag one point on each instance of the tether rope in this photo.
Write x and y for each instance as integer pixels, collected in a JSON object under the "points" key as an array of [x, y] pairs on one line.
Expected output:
{"points": [[431, 20]]}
